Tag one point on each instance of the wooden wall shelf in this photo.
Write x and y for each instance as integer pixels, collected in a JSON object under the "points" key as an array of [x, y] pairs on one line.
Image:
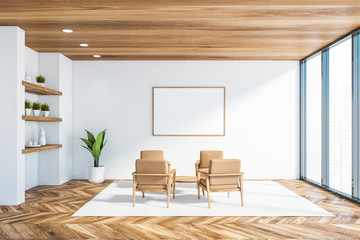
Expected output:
{"points": [[38, 90], [41, 119], [40, 149]]}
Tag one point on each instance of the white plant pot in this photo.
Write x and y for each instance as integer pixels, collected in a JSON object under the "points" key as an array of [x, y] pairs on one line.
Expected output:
{"points": [[27, 111], [36, 113], [46, 113], [41, 84], [97, 174]]}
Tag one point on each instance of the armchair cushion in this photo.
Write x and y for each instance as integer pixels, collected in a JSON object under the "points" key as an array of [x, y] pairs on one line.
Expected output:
{"points": [[217, 187], [151, 166], [153, 186], [224, 166], [152, 154], [206, 156]]}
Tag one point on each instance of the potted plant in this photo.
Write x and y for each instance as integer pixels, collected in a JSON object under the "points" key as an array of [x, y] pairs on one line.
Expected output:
{"points": [[95, 147], [28, 107], [45, 108], [41, 80], [36, 107]]}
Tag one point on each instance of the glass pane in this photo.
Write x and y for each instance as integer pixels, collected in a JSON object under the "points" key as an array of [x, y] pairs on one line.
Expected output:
{"points": [[340, 116], [313, 118]]}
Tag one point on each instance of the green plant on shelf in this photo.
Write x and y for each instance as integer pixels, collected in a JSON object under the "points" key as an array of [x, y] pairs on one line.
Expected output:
{"points": [[40, 79], [45, 107], [95, 146], [28, 104], [36, 106]]}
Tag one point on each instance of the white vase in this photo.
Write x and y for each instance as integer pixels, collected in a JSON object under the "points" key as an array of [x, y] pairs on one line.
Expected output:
{"points": [[42, 138], [27, 111], [97, 174], [36, 113], [46, 113], [27, 78]]}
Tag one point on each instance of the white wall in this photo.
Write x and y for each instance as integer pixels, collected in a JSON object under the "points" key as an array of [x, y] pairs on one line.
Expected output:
{"points": [[50, 167], [66, 102], [19, 172], [12, 141], [55, 165], [31, 128], [49, 161], [262, 114]]}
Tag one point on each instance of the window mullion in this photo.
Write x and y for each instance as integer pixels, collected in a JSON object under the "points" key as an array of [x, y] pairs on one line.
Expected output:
{"points": [[325, 119], [303, 119], [356, 118]]}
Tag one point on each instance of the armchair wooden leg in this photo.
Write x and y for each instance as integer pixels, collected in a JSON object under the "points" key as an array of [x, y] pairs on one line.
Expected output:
{"points": [[174, 182], [143, 194], [198, 184], [168, 197], [198, 188], [209, 199], [197, 180], [242, 190], [228, 194], [134, 190], [208, 190], [203, 192]]}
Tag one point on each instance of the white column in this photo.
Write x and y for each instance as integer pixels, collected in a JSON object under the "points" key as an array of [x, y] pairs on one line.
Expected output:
{"points": [[12, 72]]}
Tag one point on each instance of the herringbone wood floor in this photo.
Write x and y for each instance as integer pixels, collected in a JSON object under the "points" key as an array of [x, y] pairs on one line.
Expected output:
{"points": [[46, 214]]}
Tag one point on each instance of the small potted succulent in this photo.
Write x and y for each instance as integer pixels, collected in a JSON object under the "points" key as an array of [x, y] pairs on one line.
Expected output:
{"points": [[36, 106], [41, 80], [95, 147], [45, 108], [28, 107]]}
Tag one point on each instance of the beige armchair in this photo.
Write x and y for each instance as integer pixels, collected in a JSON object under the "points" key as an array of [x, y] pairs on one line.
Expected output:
{"points": [[204, 162], [153, 176], [223, 176]]}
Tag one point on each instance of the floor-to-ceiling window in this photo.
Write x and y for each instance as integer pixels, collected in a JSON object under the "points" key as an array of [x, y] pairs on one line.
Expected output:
{"points": [[330, 86], [313, 119], [340, 116]]}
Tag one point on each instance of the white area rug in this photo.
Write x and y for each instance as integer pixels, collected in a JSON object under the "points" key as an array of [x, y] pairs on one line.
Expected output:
{"points": [[261, 198]]}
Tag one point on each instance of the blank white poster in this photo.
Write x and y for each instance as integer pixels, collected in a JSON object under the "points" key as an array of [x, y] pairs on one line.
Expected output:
{"points": [[189, 111]]}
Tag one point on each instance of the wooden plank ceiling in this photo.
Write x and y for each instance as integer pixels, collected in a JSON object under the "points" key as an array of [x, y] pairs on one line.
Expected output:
{"points": [[182, 29]]}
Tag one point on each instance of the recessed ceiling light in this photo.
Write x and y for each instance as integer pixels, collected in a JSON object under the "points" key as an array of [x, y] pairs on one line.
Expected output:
{"points": [[67, 30], [84, 45], [96, 55]]}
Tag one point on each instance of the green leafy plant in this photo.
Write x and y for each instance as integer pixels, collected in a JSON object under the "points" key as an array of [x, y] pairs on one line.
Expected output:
{"points": [[45, 107], [28, 104], [36, 106], [40, 79], [95, 146]]}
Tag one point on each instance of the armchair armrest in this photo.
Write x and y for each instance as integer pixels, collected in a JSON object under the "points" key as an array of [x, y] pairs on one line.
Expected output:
{"points": [[155, 174], [203, 171], [169, 165], [197, 164], [172, 172]]}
